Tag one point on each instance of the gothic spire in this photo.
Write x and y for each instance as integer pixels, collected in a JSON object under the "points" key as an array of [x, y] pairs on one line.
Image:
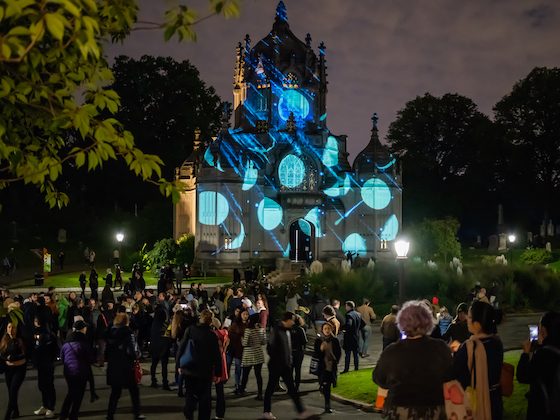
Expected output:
{"points": [[281, 12]]}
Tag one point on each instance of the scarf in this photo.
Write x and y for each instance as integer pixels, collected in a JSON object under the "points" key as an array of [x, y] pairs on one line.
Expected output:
{"points": [[475, 348]]}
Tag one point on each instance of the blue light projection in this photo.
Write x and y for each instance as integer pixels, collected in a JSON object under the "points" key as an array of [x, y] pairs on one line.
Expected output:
{"points": [[390, 229], [354, 243], [313, 216], [338, 191], [291, 171], [376, 194], [269, 213], [304, 226], [293, 101], [330, 154], [238, 240], [213, 208], [251, 176]]}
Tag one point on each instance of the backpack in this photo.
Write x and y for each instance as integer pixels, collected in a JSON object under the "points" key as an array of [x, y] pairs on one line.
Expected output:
{"points": [[188, 358]]}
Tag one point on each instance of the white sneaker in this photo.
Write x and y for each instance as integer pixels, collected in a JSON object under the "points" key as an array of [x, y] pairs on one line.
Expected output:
{"points": [[268, 415], [40, 412], [50, 414]]}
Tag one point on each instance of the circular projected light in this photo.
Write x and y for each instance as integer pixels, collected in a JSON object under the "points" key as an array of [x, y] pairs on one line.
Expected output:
{"points": [[269, 213], [213, 208], [291, 171], [354, 243], [376, 194], [304, 226], [293, 101]]}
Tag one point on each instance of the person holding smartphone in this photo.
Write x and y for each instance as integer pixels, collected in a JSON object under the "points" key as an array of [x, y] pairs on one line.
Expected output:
{"points": [[539, 366]]}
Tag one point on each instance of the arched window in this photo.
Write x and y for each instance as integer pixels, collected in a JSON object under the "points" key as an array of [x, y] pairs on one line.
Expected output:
{"points": [[291, 171]]}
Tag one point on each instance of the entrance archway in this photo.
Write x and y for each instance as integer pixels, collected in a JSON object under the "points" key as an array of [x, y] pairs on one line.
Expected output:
{"points": [[302, 241]]}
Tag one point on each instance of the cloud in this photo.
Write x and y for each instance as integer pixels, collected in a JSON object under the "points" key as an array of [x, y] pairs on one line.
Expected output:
{"points": [[381, 54]]}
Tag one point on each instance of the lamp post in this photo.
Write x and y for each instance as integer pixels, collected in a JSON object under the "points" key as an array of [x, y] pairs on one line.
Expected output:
{"points": [[511, 240], [401, 249], [120, 237]]}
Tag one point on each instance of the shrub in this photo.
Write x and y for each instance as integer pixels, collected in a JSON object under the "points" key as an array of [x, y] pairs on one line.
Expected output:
{"points": [[185, 250], [164, 252], [536, 256]]}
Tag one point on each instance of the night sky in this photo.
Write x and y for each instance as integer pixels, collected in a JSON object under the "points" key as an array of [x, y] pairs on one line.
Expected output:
{"points": [[380, 54]]}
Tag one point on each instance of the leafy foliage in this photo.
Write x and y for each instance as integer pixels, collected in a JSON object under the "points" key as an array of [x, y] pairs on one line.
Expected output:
{"points": [[437, 239], [536, 256], [164, 252], [185, 250], [56, 109]]}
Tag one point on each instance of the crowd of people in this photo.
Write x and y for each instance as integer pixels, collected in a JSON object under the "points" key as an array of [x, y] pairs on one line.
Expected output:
{"points": [[236, 330]]}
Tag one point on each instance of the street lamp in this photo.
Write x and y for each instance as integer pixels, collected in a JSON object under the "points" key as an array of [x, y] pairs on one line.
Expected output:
{"points": [[120, 237], [511, 240], [401, 249]]}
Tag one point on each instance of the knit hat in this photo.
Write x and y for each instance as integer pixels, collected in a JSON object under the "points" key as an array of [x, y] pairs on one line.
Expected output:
{"points": [[79, 325]]}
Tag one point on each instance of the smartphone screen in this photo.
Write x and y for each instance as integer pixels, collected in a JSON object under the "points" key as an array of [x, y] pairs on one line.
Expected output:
{"points": [[403, 335], [533, 332]]}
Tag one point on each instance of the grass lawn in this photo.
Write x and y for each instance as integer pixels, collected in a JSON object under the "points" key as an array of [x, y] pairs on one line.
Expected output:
{"points": [[71, 279], [359, 386]]}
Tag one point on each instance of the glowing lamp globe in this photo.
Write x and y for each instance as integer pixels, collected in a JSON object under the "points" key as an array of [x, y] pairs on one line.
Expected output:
{"points": [[120, 237], [401, 248], [511, 238]]}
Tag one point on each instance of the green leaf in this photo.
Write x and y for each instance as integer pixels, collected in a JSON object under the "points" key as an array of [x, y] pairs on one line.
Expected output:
{"points": [[93, 160], [55, 25], [80, 159]]}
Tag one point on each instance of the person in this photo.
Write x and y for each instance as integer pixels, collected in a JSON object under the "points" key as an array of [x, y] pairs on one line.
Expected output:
{"points": [[61, 258], [336, 305], [160, 345], [83, 281], [12, 353], [413, 370], [206, 365], [107, 295], [76, 356], [219, 381], [280, 366], [541, 370], [121, 353], [109, 278], [236, 334], [389, 331], [458, 331], [327, 350], [488, 352], [45, 352], [93, 283], [299, 341], [329, 315], [368, 316], [253, 355], [91, 258], [118, 277], [351, 339]]}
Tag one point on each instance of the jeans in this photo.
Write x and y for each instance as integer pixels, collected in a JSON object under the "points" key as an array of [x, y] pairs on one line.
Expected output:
{"points": [[156, 358], [198, 389], [76, 389], [45, 382], [326, 380], [274, 375], [116, 391], [238, 369], [14, 378], [347, 359], [364, 338], [258, 376]]}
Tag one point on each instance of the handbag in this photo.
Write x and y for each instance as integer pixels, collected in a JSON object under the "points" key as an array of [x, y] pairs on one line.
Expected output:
{"points": [[137, 372], [314, 366], [187, 359], [506, 379]]}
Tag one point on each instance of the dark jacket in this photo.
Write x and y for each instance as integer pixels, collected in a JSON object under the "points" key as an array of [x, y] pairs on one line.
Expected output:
{"points": [[120, 353], [337, 351], [76, 355], [159, 341], [414, 372], [207, 354], [279, 348], [542, 372], [351, 329], [45, 347], [299, 339]]}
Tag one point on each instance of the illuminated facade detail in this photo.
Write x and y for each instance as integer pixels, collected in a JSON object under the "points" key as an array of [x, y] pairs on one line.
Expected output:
{"points": [[269, 213], [277, 183], [291, 171]]}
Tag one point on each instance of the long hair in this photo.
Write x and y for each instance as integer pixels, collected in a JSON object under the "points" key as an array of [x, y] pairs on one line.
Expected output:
{"points": [[178, 318], [6, 338]]}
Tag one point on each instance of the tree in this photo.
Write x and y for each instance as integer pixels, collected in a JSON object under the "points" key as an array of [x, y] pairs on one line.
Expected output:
{"points": [[447, 148], [56, 109], [437, 238], [530, 119]]}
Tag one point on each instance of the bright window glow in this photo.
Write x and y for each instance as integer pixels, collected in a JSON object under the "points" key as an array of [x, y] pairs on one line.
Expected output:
{"points": [[293, 101], [390, 229], [354, 243], [291, 171], [330, 153], [269, 213], [213, 208], [376, 194]]}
